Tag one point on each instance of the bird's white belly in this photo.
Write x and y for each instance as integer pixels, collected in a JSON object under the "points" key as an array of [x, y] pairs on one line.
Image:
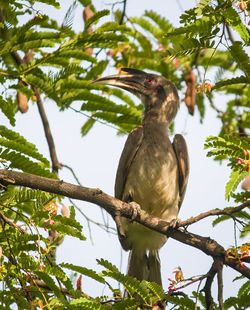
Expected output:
{"points": [[153, 184]]}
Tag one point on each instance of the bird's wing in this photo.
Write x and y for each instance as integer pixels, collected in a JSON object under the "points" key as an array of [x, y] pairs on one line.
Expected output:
{"points": [[181, 152], [128, 154]]}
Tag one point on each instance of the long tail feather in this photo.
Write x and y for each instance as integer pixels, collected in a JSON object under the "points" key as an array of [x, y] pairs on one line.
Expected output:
{"points": [[145, 267]]}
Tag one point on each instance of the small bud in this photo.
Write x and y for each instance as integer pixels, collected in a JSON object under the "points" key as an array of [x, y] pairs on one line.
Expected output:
{"points": [[242, 5], [79, 283], [65, 211], [246, 183], [49, 222]]}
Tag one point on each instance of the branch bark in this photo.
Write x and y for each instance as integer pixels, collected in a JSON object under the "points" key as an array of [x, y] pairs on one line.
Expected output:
{"points": [[115, 206]]}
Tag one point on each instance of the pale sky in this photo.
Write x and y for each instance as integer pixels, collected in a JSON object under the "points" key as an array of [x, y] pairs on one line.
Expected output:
{"points": [[94, 159]]}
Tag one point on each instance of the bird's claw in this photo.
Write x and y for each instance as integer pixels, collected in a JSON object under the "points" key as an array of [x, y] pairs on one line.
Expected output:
{"points": [[135, 210], [174, 223]]}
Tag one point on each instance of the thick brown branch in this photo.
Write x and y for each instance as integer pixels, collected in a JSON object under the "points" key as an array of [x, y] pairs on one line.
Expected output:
{"points": [[52, 149], [214, 212], [114, 206], [216, 268], [208, 285]]}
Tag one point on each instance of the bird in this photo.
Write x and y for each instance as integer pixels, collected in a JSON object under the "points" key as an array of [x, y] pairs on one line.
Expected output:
{"points": [[152, 172]]}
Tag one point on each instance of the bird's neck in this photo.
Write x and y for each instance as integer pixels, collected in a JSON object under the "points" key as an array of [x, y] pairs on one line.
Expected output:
{"points": [[161, 113], [155, 116], [155, 124]]}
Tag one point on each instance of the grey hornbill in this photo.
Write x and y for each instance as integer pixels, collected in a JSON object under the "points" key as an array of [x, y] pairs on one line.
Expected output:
{"points": [[152, 171]]}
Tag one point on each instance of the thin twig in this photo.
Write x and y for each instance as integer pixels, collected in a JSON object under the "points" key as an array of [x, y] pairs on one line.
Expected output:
{"points": [[11, 223], [191, 281], [73, 173], [220, 287], [198, 289], [214, 212], [94, 118], [89, 220], [104, 226], [123, 12], [52, 149]]}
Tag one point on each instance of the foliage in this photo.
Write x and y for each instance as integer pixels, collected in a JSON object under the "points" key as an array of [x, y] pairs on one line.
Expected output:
{"points": [[40, 56], [235, 149], [17, 152]]}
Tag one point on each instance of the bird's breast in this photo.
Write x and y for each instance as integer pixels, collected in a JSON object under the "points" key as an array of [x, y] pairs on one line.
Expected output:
{"points": [[152, 180]]}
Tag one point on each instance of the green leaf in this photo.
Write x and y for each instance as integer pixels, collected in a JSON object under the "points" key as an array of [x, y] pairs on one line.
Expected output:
{"points": [[201, 6], [157, 290], [48, 280], [128, 304], [95, 18], [185, 302], [131, 284], [245, 289], [241, 57], [237, 80], [163, 24], [85, 303], [233, 19], [87, 126], [54, 3], [21, 144], [220, 219], [235, 178], [84, 271], [64, 225], [9, 109]]}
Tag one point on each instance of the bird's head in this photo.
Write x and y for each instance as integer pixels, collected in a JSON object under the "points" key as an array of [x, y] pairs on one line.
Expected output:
{"points": [[158, 95]]}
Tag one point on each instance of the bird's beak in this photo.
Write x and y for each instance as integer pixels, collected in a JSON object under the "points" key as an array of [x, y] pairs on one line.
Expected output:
{"points": [[129, 79]]}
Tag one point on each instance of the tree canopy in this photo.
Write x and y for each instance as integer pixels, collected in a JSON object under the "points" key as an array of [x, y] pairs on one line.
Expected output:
{"points": [[42, 60]]}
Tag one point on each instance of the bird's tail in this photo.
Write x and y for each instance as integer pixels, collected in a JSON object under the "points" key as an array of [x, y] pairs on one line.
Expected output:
{"points": [[145, 266]]}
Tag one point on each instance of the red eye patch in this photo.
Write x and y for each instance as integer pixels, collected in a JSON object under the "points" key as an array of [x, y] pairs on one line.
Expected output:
{"points": [[149, 81]]}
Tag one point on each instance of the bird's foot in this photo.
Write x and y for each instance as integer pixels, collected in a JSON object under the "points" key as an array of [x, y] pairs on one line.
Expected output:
{"points": [[174, 223], [135, 208]]}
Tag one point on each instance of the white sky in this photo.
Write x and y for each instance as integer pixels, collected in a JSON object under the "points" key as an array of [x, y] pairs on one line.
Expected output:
{"points": [[94, 158]]}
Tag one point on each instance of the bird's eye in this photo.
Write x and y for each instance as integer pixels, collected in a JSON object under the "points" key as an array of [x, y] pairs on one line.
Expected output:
{"points": [[149, 81]]}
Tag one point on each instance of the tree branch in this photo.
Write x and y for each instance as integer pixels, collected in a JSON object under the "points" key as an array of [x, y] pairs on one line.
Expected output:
{"points": [[216, 268], [208, 286], [213, 212], [220, 287], [123, 11], [52, 149], [114, 206]]}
